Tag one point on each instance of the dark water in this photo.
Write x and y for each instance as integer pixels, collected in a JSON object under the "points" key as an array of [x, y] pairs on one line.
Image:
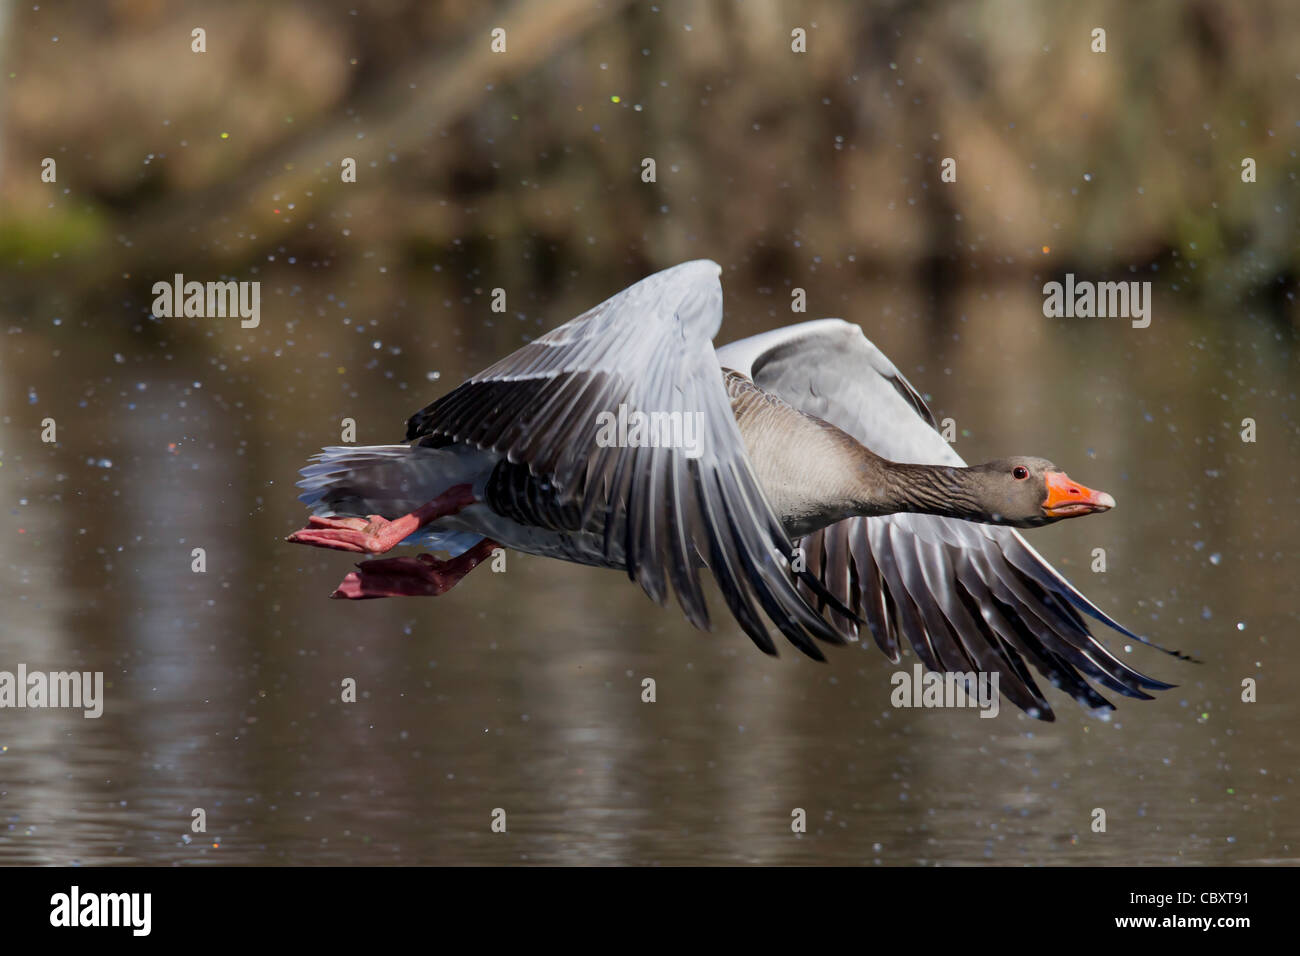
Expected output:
{"points": [[522, 690]]}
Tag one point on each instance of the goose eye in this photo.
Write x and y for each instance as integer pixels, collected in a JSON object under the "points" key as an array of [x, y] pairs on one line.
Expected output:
{"points": [[1020, 472]]}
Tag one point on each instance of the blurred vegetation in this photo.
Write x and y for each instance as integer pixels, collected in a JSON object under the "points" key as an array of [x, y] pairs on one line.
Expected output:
{"points": [[768, 160]]}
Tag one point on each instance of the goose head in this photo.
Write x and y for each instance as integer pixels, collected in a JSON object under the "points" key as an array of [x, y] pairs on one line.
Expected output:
{"points": [[1029, 492]]}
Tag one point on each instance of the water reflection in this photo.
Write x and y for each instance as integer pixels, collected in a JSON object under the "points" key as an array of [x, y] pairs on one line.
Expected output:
{"points": [[521, 690]]}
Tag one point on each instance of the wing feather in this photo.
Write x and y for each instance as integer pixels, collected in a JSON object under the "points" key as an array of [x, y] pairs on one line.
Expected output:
{"points": [[657, 511], [963, 595]]}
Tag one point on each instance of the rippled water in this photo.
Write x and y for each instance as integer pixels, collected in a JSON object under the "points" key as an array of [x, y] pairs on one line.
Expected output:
{"points": [[522, 690]]}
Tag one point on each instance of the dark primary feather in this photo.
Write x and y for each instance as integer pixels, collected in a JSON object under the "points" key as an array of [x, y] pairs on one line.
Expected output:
{"points": [[649, 347], [965, 596]]}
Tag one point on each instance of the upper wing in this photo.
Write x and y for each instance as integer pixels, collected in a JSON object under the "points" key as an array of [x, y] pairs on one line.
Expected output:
{"points": [[966, 596], [663, 509]]}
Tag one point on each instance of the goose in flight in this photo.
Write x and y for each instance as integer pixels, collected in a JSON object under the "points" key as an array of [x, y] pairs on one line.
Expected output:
{"points": [[797, 467]]}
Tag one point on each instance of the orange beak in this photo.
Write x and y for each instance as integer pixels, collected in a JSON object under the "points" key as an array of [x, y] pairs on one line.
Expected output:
{"points": [[1068, 499]]}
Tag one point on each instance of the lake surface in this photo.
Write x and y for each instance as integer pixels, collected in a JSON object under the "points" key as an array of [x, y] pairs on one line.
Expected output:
{"points": [[522, 690]]}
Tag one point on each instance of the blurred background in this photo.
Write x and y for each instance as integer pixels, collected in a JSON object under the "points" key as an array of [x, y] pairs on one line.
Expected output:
{"points": [[522, 170]]}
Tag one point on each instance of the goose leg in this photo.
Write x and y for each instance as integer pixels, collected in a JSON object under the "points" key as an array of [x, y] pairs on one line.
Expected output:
{"points": [[375, 534], [421, 576]]}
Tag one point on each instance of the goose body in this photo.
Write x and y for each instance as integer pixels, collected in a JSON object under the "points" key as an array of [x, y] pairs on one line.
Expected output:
{"points": [[818, 492]]}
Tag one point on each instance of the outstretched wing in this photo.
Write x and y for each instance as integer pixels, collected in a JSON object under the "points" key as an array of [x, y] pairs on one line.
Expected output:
{"points": [[665, 507], [966, 596]]}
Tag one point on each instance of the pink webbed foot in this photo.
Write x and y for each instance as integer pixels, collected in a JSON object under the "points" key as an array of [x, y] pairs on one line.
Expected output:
{"points": [[421, 576], [372, 535], [376, 534]]}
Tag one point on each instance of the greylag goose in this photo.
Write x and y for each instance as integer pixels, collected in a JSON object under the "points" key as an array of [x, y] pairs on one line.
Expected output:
{"points": [[798, 467]]}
